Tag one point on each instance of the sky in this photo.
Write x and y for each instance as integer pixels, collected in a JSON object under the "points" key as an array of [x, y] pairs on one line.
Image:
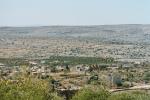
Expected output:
{"points": [[73, 12]]}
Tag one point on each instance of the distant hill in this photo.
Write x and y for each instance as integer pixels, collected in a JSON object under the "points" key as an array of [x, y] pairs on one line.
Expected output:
{"points": [[132, 33]]}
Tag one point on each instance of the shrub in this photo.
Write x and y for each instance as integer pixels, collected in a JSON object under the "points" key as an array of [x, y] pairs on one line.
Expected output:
{"points": [[126, 84], [147, 76], [26, 89], [89, 94]]}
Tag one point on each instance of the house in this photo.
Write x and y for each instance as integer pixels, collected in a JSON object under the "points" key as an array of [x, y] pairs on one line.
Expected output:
{"points": [[60, 68], [127, 65], [137, 62], [80, 68], [32, 63]]}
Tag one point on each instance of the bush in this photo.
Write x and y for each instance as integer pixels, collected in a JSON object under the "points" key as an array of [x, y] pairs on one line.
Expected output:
{"points": [[147, 76], [26, 89], [89, 94], [126, 84]]}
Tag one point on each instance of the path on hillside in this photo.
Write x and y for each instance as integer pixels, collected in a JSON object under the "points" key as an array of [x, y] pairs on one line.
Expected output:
{"points": [[138, 87]]}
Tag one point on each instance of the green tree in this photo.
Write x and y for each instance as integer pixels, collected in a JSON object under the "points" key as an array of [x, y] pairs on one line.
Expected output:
{"points": [[26, 88]]}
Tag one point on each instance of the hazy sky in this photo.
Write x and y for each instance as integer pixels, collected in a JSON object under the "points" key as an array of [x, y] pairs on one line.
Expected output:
{"points": [[73, 12]]}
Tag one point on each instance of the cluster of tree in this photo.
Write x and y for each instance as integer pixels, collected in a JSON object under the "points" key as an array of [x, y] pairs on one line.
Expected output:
{"points": [[70, 60], [13, 61], [27, 88]]}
